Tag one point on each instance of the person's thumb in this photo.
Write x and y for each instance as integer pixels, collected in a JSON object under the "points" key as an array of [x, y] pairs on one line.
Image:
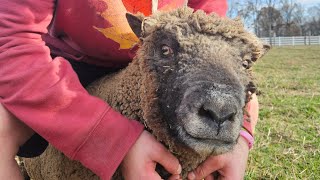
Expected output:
{"points": [[162, 156], [212, 164]]}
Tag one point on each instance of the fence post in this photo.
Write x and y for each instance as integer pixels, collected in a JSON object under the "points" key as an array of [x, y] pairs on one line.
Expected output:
{"points": [[305, 40], [279, 41], [293, 41]]}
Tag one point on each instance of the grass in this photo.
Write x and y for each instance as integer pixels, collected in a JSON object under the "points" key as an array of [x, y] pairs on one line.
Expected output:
{"points": [[287, 137]]}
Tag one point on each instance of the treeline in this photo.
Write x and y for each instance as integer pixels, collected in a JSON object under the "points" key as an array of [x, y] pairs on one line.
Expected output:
{"points": [[269, 18]]}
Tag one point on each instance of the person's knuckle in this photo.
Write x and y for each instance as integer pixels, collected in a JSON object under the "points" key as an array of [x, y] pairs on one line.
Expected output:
{"points": [[200, 172], [161, 150]]}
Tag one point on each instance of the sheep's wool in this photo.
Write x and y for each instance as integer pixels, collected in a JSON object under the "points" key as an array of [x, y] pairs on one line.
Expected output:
{"points": [[134, 90]]}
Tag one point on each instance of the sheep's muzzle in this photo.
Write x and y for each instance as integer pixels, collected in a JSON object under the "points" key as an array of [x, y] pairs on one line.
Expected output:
{"points": [[208, 118]]}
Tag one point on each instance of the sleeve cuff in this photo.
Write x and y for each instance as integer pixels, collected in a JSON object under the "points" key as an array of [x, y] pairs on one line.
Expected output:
{"points": [[108, 143]]}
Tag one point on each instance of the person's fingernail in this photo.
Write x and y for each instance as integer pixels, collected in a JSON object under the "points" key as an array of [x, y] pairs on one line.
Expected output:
{"points": [[179, 169], [176, 177], [191, 176]]}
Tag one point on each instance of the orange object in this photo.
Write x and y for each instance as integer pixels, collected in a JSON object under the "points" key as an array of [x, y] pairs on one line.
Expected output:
{"points": [[135, 6]]}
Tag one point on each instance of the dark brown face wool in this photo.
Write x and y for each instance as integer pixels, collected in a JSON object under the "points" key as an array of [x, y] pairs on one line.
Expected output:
{"points": [[188, 85]]}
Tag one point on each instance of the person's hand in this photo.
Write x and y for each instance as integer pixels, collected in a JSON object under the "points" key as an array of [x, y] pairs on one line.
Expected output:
{"points": [[13, 133], [140, 162], [230, 165], [13, 130]]}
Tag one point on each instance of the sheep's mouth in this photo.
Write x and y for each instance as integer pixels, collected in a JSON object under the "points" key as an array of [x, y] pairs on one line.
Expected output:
{"points": [[208, 140], [201, 130], [204, 146]]}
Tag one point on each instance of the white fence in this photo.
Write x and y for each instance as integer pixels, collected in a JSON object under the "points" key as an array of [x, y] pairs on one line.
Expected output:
{"points": [[292, 41]]}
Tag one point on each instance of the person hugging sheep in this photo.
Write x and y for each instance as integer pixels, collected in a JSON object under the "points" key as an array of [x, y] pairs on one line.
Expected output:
{"points": [[49, 51]]}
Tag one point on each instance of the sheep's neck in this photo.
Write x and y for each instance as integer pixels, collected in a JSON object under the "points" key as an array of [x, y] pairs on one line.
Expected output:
{"points": [[132, 92], [121, 90]]}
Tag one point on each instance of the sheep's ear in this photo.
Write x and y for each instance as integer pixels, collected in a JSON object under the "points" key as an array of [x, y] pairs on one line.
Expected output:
{"points": [[260, 53], [135, 23], [148, 24], [266, 47]]}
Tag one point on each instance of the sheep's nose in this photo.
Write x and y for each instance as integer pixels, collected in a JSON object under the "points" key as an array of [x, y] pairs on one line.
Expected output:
{"points": [[218, 112]]}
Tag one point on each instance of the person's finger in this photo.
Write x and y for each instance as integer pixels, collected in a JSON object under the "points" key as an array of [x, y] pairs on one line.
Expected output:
{"points": [[175, 177], [154, 176], [209, 177], [148, 172], [254, 110], [231, 173], [230, 176], [167, 160], [213, 163]]}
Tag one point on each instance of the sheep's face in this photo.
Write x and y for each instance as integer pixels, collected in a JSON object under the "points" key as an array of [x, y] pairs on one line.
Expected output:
{"points": [[202, 83], [201, 88]]}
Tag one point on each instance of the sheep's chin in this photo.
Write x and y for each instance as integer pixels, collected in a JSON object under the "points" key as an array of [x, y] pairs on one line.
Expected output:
{"points": [[205, 146]]}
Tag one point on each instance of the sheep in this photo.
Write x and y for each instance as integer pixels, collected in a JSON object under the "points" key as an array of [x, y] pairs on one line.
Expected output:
{"points": [[189, 84]]}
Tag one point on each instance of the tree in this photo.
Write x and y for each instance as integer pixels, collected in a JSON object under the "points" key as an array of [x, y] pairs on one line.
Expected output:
{"points": [[247, 10], [288, 10], [269, 22], [267, 18], [300, 18], [312, 25]]}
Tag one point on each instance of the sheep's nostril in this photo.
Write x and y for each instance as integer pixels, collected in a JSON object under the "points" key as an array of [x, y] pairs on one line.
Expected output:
{"points": [[229, 117], [218, 116], [207, 113]]}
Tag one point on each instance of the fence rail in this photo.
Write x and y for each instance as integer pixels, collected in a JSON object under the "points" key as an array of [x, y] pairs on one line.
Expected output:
{"points": [[292, 41]]}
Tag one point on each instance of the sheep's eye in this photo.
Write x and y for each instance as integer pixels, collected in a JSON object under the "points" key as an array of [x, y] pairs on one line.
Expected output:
{"points": [[166, 50], [245, 64]]}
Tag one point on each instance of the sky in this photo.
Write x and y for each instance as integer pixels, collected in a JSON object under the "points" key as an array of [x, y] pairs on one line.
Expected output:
{"points": [[309, 2], [303, 2]]}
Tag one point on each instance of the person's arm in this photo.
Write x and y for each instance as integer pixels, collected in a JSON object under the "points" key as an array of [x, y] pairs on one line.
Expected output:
{"points": [[47, 96], [209, 6]]}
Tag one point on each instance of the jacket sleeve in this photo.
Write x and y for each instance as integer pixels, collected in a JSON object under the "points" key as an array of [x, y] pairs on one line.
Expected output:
{"points": [[209, 6], [47, 96]]}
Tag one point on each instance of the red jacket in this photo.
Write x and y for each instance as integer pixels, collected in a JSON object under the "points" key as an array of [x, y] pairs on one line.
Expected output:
{"points": [[46, 94]]}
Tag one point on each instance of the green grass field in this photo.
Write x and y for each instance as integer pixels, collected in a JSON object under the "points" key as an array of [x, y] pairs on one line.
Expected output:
{"points": [[287, 137]]}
